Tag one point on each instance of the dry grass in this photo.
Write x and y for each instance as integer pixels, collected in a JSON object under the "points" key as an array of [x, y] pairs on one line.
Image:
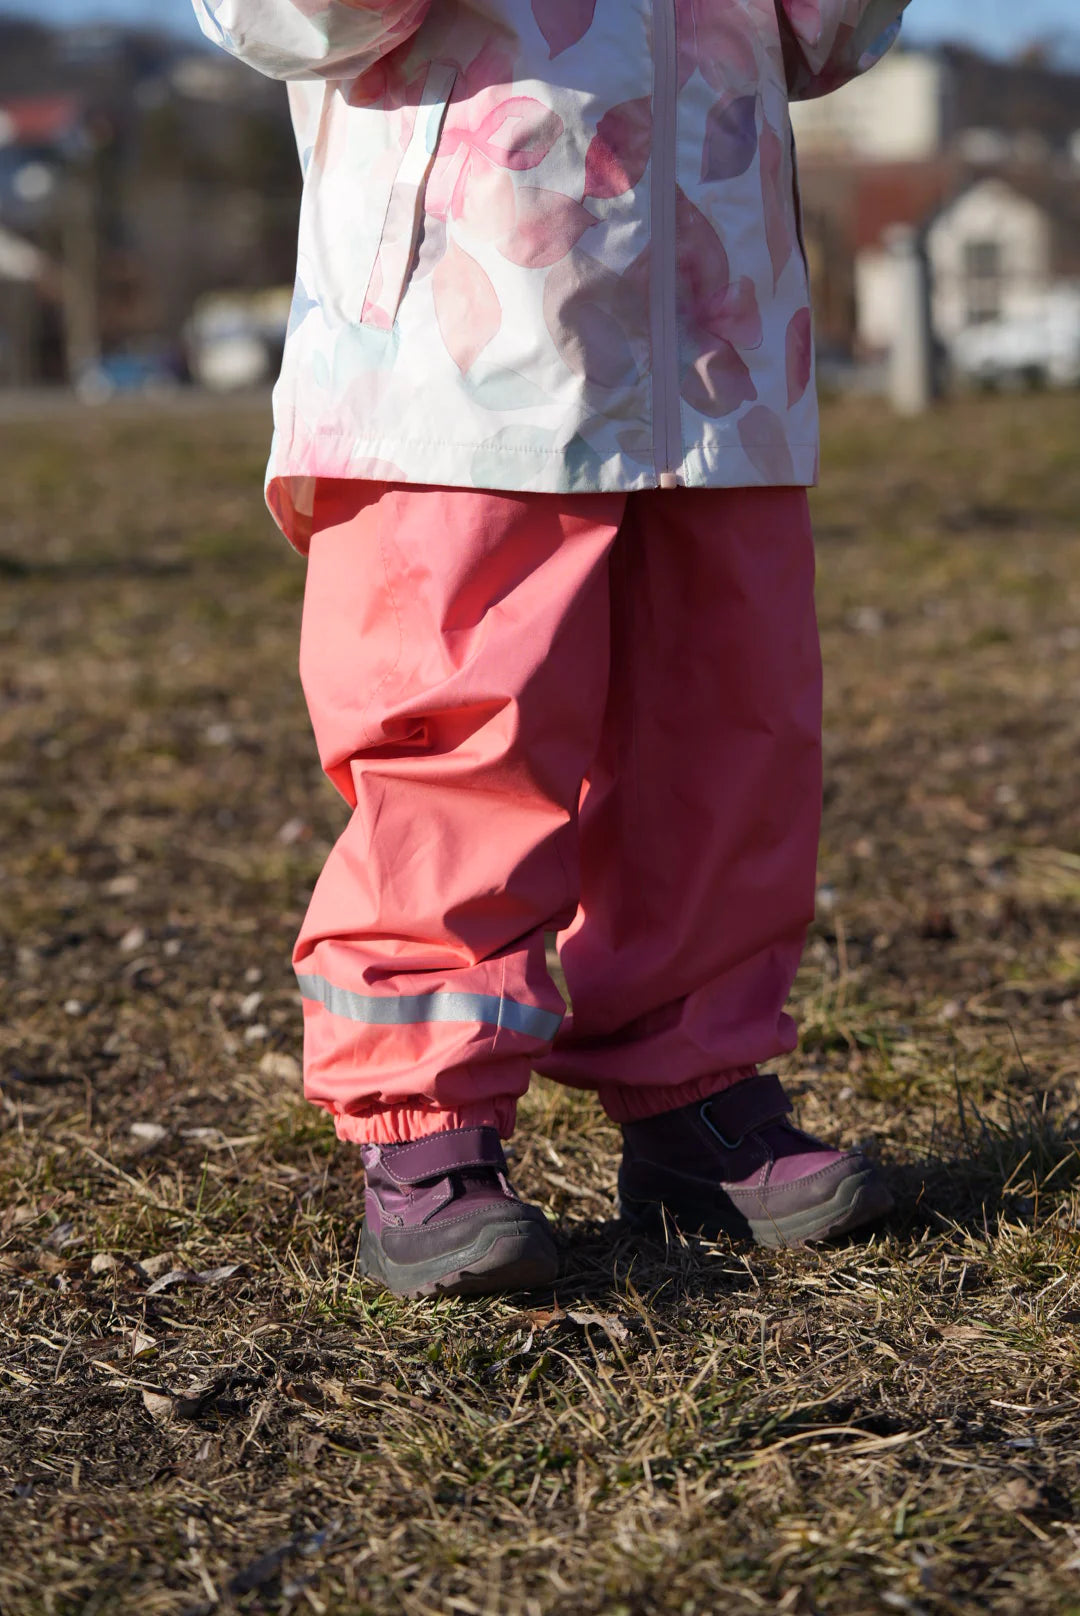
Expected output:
{"points": [[889, 1426]]}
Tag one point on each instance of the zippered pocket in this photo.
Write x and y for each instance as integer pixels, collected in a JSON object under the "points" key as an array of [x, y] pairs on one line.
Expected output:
{"points": [[405, 205]]}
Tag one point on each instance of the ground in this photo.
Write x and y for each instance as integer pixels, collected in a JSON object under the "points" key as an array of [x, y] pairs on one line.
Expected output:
{"points": [[204, 1408]]}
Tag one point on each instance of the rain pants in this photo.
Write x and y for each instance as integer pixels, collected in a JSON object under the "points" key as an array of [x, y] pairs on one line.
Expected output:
{"points": [[597, 715]]}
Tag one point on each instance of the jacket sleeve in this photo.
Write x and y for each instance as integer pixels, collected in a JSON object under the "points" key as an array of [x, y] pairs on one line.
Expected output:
{"points": [[828, 42], [309, 39]]}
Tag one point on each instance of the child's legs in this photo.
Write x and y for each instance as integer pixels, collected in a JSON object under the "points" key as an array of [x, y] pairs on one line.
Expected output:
{"points": [[699, 827], [455, 660]]}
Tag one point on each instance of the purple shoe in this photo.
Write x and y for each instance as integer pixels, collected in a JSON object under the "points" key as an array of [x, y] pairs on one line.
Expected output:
{"points": [[734, 1162], [440, 1219]]}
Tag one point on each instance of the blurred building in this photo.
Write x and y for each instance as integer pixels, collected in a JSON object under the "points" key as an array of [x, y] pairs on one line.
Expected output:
{"points": [[146, 173], [981, 158]]}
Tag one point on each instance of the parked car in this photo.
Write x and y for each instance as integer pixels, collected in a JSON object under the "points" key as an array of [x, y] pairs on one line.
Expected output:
{"points": [[125, 373], [1040, 349], [236, 339]]}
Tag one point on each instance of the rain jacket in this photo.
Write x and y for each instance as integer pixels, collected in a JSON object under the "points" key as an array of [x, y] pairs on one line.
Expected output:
{"points": [[550, 245]]}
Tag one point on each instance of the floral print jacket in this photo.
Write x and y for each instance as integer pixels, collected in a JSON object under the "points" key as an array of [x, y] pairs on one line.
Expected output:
{"points": [[548, 244]]}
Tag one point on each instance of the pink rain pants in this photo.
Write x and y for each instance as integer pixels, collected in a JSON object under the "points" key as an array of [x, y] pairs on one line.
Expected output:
{"points": [[596, 715]]}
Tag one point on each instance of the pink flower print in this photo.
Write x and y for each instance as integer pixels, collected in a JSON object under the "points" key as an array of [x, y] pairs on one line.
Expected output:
{"points": [[563, 22], [719, 315], [488, 135], [619, 152]]}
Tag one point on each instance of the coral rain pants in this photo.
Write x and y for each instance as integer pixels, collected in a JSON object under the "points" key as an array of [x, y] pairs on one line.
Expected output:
{"points": [[596, 715]]}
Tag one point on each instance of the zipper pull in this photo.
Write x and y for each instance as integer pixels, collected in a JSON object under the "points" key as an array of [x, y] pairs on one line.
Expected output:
{"points": [[669, 479]]}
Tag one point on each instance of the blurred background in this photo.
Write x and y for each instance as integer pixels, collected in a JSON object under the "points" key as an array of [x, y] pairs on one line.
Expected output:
{"points": [[149, 187]]}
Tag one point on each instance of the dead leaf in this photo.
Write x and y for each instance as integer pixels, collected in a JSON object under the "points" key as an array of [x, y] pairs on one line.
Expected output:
{"points": [[545, 1318], [1018, 1495], [608, 1322], [159, 1405], [103, 1262], [141, 1345], [302, 1391], [187, 1276]]}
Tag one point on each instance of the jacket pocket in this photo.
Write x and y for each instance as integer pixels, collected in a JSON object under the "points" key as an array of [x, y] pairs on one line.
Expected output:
{"points": [[393, 261]]}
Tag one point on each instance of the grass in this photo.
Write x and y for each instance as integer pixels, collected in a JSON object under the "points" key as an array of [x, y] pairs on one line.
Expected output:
{"points": [[893, 1425]]}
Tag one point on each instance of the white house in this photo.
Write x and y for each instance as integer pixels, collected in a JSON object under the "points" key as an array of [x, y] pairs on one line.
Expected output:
{"points": [[995, 251], [991, 257]]}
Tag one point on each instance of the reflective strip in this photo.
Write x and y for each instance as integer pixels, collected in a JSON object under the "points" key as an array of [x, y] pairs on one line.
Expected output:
{"points": [[410, 1010]]}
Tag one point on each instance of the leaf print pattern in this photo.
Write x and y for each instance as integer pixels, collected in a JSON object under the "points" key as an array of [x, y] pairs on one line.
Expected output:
{"points": [[762, 435], [713, 39], [489, 134], [597, 321], [798, 355], [618, 153], [730, 139], [777, 186], [466, 306], [563, 22], [546, 226], [719, 315]]}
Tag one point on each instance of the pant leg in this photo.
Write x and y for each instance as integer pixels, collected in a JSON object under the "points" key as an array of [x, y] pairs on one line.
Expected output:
{"points": [[454, 655], [700, 821]]}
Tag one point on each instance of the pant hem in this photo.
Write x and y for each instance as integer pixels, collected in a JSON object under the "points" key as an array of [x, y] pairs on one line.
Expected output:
{"points": [[400, 1125], [625, 1104]]}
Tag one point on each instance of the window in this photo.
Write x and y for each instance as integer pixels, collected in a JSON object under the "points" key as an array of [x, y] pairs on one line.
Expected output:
{"points": [[983, 274]]}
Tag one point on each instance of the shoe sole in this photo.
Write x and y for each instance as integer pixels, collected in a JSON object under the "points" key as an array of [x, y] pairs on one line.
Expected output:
{"points": [[860, 1199], [503, 1257]]}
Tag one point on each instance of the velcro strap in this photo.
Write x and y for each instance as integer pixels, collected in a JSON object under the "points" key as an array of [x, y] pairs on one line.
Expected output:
{"points": [[442, 1153], [745, 1106]]}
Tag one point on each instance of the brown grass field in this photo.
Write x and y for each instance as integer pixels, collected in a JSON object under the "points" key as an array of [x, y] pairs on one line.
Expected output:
{"points": [[202, 1407]]}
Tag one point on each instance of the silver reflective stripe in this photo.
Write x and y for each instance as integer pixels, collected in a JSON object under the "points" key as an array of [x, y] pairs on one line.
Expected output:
{"points": [[384, 1010]]}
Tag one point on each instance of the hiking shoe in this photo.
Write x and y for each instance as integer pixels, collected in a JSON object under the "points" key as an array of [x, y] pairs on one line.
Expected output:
{"points": [[734, 1162], [440, 1219]]}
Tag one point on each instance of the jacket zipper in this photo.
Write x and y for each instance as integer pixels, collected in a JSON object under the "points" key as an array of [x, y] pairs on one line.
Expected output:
{"points": [[663, 326]]}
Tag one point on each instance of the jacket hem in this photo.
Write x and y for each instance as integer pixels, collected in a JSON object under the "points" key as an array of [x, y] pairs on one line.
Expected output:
{"points": [[539, 469]]}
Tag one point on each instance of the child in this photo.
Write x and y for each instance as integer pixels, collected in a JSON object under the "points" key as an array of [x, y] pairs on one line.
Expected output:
{"points": [[544, 428]]}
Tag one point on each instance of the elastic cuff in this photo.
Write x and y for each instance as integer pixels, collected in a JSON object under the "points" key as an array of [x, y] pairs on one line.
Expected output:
{"points": [[625, 1104], [400, 1124]]}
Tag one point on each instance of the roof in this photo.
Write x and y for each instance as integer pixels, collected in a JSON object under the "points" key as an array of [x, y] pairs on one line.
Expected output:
{"points": [[864, 200], [38, 120], [898, 193]]}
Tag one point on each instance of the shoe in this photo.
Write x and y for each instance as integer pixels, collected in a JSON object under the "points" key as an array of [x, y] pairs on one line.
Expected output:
{"points": [[440, 1219], [734, 1162]]}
